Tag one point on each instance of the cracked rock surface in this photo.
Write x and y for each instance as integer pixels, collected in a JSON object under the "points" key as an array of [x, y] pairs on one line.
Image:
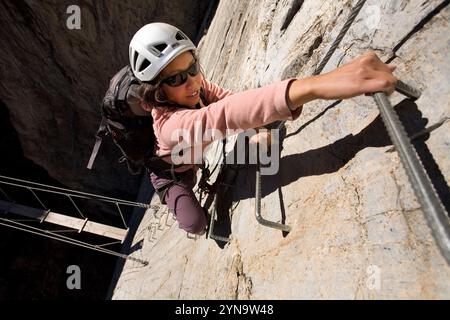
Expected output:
{"points": [[358, 231]]}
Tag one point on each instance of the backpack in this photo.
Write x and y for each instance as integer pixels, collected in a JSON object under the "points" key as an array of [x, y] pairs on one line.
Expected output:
{"points": [[132, 134]]}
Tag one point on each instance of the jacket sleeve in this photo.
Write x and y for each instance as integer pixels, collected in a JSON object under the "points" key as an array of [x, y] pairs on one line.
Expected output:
{"points": [[238, 111], [215, 93]]}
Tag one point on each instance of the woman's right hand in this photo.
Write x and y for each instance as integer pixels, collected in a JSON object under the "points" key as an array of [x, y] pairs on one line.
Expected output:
{"points": [[365, 75]]}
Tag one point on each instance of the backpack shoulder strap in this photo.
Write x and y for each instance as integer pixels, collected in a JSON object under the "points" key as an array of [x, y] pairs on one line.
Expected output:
{"points": [[127, 80], [101, 132]]}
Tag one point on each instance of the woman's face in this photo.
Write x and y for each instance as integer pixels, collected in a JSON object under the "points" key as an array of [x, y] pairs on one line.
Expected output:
{"points": [[187, 94]]}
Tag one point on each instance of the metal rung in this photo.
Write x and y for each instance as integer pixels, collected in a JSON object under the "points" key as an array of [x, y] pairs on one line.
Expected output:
{"points": [[407, 90], [63, 220], [435, 214], [259, 217]]}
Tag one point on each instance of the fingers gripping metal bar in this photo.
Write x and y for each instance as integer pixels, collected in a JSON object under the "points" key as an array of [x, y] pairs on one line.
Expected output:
{"points": [[400, 87], [434, 211], [407, 90]]}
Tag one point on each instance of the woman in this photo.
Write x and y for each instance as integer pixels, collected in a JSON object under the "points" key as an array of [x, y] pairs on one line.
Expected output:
{"points": [[164, 59]]}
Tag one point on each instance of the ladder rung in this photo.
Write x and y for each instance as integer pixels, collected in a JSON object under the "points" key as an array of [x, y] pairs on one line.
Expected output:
{"points": [[66, 221]]}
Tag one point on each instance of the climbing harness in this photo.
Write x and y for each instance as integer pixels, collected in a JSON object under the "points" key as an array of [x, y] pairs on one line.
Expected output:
{"points": [[435, 213], [432, 206]]}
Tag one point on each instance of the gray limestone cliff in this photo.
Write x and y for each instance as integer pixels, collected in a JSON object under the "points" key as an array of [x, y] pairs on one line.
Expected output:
{"points": [[358, 231], [53, 79]]}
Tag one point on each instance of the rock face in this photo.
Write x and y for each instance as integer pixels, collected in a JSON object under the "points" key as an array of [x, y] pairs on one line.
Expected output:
{"points": [[358, 231], [53, 79]]}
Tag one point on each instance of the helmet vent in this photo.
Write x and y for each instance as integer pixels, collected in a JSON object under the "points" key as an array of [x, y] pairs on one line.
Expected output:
{"points": [[161, 47], [180, 36], [135, 56], [145, 64]]}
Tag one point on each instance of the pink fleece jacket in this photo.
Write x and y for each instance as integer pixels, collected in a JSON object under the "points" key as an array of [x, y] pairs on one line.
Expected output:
{"points": [[226, 110]]}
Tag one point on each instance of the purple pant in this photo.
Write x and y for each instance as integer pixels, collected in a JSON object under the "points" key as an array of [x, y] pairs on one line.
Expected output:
{"points": [[180, 199]]}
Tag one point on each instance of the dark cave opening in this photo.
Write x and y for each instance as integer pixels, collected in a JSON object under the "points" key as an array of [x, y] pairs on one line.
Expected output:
{"points": [[35, 267]]}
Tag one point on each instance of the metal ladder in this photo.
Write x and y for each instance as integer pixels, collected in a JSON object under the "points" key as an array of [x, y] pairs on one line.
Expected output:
{"points": [[74, 224]]}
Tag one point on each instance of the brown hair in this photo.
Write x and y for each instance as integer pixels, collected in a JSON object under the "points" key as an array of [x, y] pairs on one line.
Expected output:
{"points": [[148, 91], [152, 95]]}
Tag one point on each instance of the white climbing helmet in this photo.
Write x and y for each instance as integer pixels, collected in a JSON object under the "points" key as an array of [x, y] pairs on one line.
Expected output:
{"points": [[154, 46]]}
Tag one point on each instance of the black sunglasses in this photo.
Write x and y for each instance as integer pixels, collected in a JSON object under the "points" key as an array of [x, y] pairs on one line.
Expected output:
{"points": [[181, 78]]}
